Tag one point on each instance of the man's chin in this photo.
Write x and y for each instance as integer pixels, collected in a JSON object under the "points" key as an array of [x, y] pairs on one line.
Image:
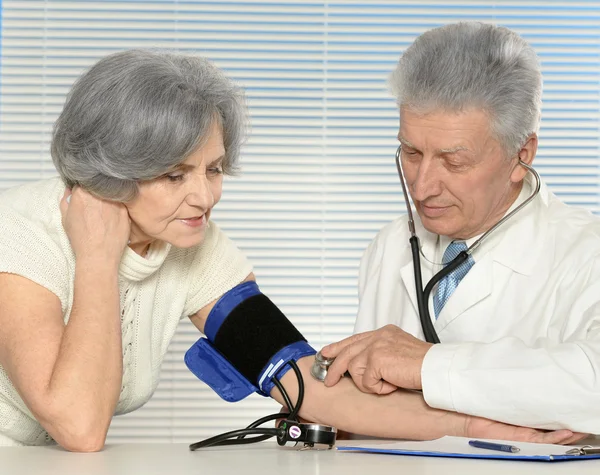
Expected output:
{"points": [[438, 226]]}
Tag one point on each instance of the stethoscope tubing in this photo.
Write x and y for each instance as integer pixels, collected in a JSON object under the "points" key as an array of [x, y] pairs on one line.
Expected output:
{"points": [[423, 294], [431, 335]]}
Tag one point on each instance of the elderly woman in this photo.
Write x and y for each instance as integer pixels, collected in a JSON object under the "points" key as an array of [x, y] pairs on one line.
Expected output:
{"points": [[98, 266]]}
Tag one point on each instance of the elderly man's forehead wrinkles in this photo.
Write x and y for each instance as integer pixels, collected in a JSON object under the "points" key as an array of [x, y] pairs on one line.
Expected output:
{"points": [[458, 148]]}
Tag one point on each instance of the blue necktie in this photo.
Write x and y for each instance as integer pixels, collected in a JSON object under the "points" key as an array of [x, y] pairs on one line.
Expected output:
{"points": [[448, 284]]}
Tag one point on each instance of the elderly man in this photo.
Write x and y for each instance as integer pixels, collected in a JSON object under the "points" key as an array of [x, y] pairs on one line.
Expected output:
{"points": [[520, 333]]}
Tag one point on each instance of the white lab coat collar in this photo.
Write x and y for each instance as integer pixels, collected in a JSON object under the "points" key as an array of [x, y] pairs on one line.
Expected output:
{"points": [[516, 243], [511, 245]]}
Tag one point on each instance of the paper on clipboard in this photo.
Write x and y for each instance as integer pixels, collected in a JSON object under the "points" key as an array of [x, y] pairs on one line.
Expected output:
{"points": [[459, 447]]}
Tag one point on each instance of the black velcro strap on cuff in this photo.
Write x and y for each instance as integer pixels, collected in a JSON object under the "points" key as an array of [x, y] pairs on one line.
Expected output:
{"points": [[253, 333]]}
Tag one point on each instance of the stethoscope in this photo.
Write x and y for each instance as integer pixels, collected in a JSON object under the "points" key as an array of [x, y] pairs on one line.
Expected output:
{"points": [[423, 294]]}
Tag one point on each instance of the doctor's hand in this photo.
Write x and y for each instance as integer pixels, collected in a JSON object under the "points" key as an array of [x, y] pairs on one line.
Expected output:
{"points": [[379, 361]]}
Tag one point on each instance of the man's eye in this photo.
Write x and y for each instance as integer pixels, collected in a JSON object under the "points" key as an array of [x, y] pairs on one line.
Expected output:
{"points": [[410, 153], [455, 166]]}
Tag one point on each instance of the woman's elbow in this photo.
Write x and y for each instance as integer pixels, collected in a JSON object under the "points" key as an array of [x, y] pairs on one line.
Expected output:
{"points": [[78, 434], [87, 443]]}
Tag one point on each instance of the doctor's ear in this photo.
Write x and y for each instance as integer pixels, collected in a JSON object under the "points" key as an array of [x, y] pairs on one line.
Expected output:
{"points": [[526, 155]]}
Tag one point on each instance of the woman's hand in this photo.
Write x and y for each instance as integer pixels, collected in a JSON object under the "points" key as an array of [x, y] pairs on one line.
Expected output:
{"points": [[478, 427], [95, 227]]}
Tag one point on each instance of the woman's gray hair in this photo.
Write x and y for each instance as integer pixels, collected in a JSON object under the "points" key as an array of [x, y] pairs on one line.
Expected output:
{"points": [[474, 65], [137, 114]]}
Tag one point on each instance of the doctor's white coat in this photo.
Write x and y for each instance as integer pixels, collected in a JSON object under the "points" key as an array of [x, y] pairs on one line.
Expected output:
{"points": [[521, 333]]}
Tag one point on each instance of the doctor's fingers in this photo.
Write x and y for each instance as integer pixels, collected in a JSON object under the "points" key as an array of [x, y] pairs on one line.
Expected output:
{"points": [[384, 371], [344, 359], [372, 381], [366, 377], [333, 349]]}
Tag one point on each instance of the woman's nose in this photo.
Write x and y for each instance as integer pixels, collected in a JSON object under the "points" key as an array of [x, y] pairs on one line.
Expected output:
{"points": [[200, 194]]}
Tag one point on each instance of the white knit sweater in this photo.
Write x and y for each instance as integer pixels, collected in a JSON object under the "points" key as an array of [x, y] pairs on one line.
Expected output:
{"points": [[156, 292]]}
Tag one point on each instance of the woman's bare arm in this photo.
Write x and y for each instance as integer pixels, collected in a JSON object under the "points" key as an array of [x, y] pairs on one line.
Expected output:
{"points": [[69, 376], [401, 414]]}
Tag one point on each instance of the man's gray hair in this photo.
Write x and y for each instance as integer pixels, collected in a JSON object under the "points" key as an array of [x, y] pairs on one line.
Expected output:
{"points": [[474, 65], [137, 114]]}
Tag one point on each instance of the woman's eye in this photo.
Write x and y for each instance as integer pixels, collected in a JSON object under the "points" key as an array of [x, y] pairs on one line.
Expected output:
{"points": [[215, 170], [174, 177]]}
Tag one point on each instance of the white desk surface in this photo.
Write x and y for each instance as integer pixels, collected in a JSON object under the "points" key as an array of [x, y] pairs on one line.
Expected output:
{"points": [[261, 459]]}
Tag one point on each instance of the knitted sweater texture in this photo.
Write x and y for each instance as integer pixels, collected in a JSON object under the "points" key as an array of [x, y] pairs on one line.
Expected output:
{"points": [[156, 291]]}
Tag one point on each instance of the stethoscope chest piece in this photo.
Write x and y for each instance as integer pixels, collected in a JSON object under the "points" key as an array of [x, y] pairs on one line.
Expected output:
{"points": [[320, 367]]}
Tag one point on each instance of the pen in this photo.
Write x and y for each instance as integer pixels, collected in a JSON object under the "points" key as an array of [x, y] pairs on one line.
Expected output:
{"points": [[480, 444]]}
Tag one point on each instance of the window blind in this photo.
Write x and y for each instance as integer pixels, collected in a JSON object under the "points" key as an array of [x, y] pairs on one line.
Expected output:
{"points": [[318, 178]]}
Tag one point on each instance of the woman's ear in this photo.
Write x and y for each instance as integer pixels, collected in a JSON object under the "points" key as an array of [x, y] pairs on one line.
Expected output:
{"points": [[526, 155]]}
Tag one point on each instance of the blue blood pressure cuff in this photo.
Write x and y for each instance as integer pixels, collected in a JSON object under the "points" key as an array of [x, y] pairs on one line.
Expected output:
{"points": [[249, 341]]}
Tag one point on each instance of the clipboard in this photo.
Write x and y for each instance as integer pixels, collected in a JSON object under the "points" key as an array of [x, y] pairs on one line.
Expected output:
{"points": [[458, 447]]}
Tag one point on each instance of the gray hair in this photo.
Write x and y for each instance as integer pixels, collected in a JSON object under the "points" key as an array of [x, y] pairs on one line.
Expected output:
{"points": [[474, 65], [137, 114]]}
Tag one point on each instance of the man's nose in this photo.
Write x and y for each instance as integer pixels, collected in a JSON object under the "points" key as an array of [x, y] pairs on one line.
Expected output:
{"points": [[426, 182]]}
